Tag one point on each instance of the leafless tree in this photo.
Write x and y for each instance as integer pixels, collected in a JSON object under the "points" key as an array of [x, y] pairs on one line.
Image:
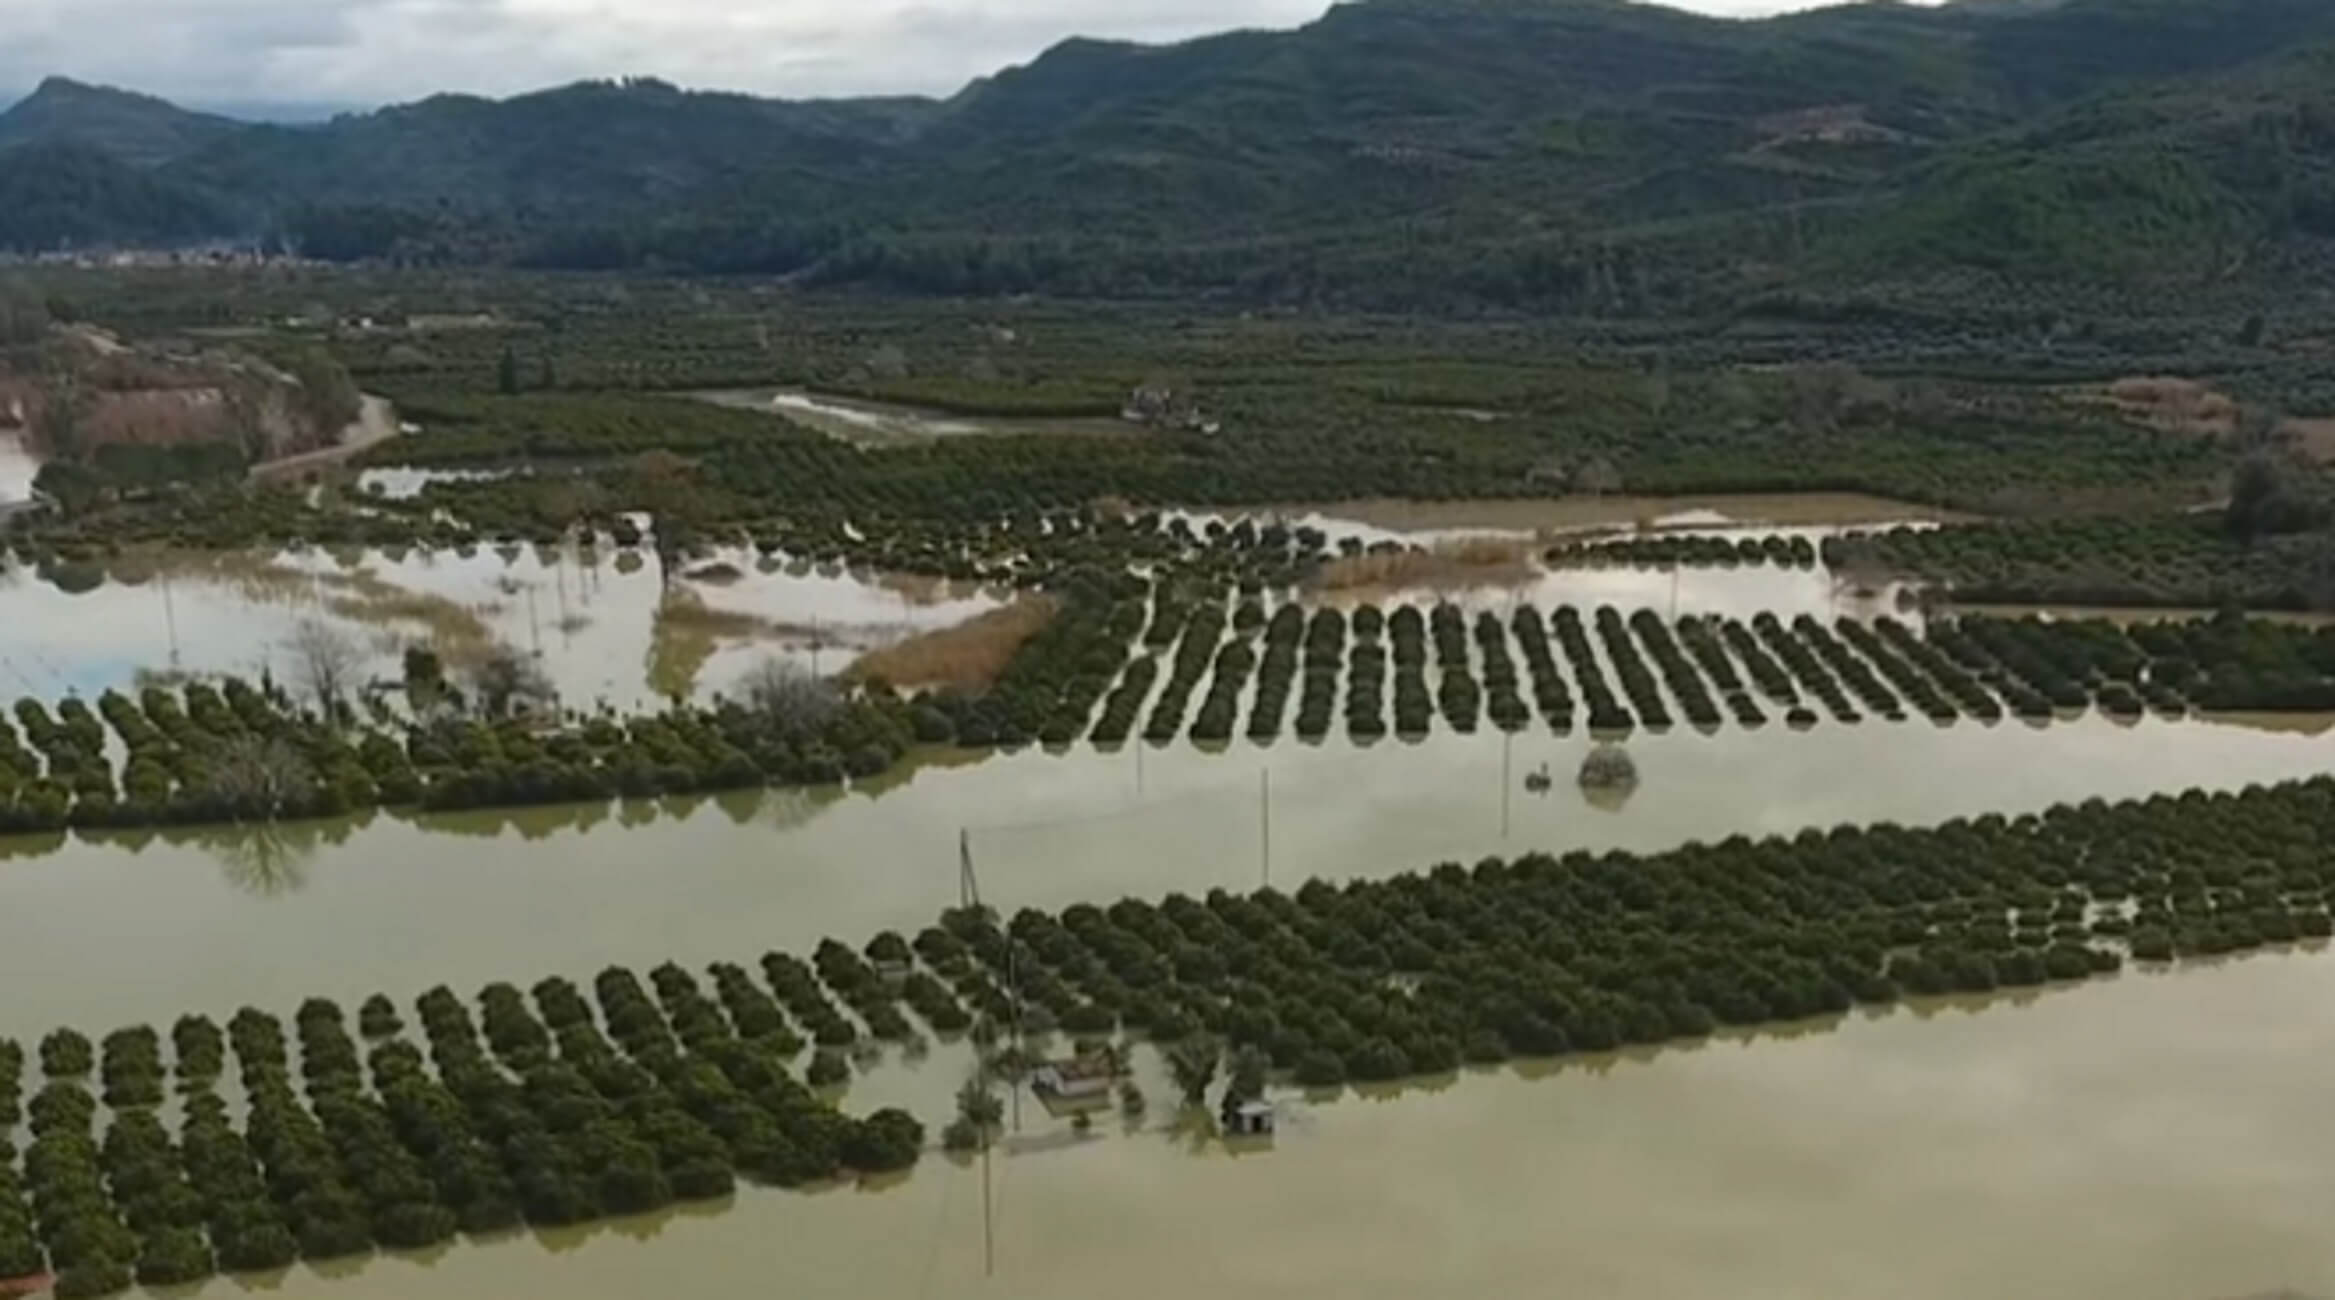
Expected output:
{"points": [[1597, 476], [506, 681], [259, 776], [789, 697], [325, 662]]}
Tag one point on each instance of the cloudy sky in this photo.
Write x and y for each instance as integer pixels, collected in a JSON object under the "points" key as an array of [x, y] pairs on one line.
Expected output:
{"points": [[363, 52]]}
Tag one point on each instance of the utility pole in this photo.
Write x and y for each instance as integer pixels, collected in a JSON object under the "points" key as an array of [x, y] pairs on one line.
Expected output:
{"points": [[988, 1218], [969, 896], [1265, 822], [1507, 765], [170, 618]]}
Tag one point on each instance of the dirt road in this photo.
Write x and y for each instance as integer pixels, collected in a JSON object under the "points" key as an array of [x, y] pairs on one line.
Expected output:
{"points": [[376, 423]]}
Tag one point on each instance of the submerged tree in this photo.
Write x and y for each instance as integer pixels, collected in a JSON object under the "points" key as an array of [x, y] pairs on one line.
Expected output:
{"points": [[506, 682], [325, 663], [1192, 1063], [789, 698], [259, 776]]}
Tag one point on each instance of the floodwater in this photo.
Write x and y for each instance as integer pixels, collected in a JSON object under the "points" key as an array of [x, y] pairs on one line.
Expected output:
{"points": [[1427, 523], [18, 468], [602, 623], [1743, 592], [2150, 1137], [405, 482], [217, 918], [2131, 615], [877, 424]]}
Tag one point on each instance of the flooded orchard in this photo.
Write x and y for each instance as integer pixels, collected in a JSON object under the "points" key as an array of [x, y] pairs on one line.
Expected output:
{"points": [[2033, 1144], [606, 626], [2029, 1146], [220, 917]]}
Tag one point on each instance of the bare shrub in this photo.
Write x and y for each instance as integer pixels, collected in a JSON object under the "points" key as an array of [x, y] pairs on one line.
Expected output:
{"points": [[258, 776], [325, 661], [789, 698], [505, 681]]}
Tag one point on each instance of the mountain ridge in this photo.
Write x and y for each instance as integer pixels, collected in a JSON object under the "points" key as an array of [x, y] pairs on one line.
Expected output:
{"points": [[1553, 132]]}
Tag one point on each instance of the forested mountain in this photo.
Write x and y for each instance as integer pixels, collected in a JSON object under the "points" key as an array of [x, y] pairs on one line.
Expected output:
{"points": [[1580, 153], [139, 130]]}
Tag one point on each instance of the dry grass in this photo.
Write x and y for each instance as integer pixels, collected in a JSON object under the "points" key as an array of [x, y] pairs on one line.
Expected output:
{"points": [[686, 610], [2314, 438], [2170, 405], [1472, 562], [683, 638], [969, 655]]}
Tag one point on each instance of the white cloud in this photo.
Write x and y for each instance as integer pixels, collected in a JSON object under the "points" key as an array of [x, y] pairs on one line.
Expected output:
{"points": [[380, 51]]}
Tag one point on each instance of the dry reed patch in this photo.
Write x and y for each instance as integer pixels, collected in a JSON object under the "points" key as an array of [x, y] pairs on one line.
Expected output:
{"points": [[969, 655], [1468, 562], [2314, 438], [683, 637], [2169, 404]]}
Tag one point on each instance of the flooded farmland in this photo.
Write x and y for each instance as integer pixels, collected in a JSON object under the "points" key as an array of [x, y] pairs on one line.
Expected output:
{"points": [[2150, 1135], [1425, 523], [608, 629], [394, 903], [605, 626], [2154, 1137]]}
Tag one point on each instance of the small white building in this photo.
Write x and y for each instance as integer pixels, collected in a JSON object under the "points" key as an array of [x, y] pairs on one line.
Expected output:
{"points": [[1249, 1119], [1085, 1079]]}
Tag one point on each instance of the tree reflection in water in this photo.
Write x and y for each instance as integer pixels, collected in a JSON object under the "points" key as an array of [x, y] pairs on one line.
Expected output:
{"points": [[786, 807], [268, 859]]}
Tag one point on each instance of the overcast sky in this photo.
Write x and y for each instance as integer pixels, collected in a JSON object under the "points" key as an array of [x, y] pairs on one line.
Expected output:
{"points": [[384, 51]]}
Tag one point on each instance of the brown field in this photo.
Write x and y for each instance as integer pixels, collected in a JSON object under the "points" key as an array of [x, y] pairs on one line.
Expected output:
{"points": [[968, 656], [1472, 562], [2169, 404], [2314, 438]]}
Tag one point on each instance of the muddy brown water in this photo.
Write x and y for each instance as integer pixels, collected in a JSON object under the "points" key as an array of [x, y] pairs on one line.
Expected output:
{"points": [[2155, 1135], [213, 919], [2151, 1137], [602, 623]]}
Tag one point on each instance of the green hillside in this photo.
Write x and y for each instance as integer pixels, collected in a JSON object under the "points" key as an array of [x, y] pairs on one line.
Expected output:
{"points": [[1582, 154]]}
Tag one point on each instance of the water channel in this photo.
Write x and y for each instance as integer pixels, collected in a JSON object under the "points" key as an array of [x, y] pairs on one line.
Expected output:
{"points": [[211, 919]]}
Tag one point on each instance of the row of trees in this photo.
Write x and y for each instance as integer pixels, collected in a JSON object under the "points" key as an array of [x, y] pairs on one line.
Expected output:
{"points": [[552, 1106], [525, 1114], [2227, 662], [235, 751], [1376, 979], [1689, 550]]}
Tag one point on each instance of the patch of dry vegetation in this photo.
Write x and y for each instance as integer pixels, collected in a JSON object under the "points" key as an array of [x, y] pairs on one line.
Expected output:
{"points": [[1469, 562], [2314, 438], [2169, 404], [968, 656]]}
